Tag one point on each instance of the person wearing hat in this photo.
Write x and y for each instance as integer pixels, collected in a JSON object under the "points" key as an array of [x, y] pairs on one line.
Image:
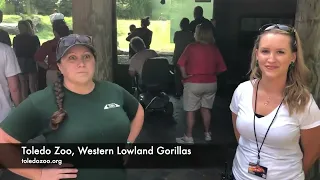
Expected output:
{"points": [[76, 109]]}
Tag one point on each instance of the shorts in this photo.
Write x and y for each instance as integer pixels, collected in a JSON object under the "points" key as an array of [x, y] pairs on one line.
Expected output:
{"points": [[197, 95]]}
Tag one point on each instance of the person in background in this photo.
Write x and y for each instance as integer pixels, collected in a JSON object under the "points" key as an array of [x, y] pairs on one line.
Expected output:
{"points": [[48, 50], [142, 54], [32, 26], [143, 32], [276, 120], [200, 63], [4, 36], [25, 45], [56, 16], [198, 18], [132, 27], [64, 112], [181, 40], [9, 81]]}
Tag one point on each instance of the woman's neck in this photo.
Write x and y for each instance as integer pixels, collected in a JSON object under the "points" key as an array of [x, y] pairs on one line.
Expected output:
{"points": [[80, 88], [275, 86]]}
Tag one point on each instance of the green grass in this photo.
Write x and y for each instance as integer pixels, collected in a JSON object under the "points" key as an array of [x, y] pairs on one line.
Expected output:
{"points": [[160, 39]]}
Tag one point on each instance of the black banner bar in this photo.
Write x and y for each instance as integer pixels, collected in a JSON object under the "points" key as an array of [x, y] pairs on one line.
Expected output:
{"points": [[112, 156]]}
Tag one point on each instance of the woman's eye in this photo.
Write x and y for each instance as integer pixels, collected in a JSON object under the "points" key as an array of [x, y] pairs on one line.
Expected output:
{"points": [[265, 51], [87, 56], [72, 57], [280, 52]]}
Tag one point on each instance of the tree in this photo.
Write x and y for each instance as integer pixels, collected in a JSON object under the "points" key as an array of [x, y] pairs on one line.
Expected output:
{"points": [[2, 4], [44, 7], [65, 7], [307, 23], [97, 18]]}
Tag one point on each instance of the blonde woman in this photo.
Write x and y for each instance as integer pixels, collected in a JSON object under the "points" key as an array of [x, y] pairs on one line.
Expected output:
{"points": [[273, 111], [200, 63], [25, 45]]}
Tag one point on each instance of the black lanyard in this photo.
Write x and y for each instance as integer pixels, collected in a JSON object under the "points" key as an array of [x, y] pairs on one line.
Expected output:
{"points": [[254, 123]]}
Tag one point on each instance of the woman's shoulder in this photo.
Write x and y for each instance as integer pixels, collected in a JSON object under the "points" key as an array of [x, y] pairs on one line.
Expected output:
{"points": [[194, 44], [108, 86], [35, 37], [246, 85], [42, 95]]}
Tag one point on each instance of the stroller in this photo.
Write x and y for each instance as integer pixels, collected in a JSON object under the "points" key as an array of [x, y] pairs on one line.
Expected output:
{"points": [[152, 87]]}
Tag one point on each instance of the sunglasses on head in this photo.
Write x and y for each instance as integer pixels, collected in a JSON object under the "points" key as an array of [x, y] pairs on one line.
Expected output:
{"points": [[73, 38], [268, 27], [286, 28]]}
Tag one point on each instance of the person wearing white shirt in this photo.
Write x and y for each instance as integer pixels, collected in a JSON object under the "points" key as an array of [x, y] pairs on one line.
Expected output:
{"points": [[9, 80], [274, 111]]}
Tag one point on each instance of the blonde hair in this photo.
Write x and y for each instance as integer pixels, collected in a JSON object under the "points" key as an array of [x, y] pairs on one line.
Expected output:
{"points": [[204, 34], [27, 25], [296, 90]]}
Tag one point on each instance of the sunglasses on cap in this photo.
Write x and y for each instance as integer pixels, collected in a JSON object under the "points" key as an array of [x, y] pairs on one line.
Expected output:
{"points": [[74, 39], [67, 42]]}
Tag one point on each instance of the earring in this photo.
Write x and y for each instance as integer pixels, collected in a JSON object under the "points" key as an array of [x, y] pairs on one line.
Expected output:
{"points": [[257, 63], [291, 65]]}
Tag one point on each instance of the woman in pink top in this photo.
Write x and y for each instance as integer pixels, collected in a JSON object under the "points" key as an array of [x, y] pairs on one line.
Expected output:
{"points": [[200, 63]]}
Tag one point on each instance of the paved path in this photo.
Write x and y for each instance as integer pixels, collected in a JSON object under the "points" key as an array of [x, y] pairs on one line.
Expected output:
{"points": [[222, 134]]}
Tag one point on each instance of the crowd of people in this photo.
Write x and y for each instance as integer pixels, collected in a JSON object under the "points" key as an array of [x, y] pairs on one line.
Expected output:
{"points": [[275, 118]]}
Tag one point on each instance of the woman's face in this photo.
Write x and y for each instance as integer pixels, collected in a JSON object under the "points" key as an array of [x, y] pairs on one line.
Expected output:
{"points": [[78, 65], [274, 55]]}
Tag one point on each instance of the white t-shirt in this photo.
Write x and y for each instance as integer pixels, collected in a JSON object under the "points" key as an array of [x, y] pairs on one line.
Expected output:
{"points": [[137, 60], [8, 67], [281, 152]]}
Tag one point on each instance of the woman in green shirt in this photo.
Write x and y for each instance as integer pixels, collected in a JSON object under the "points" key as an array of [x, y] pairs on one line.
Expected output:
{"points": [[76, 109]]}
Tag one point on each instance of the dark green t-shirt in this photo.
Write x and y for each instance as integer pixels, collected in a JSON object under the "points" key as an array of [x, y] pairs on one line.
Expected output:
{"points": [[102, 116]]}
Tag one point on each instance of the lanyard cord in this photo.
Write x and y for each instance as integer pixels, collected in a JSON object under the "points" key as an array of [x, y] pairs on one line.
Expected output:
{"points": [[254, 123]]}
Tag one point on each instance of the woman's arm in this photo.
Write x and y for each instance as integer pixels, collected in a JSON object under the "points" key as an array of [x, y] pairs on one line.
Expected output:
{"points": [[13, 131], [182, 62], [11, 157], [41, 55], [311, 147], [234, 123], [131, 35], [149, 40], [136, 125]]}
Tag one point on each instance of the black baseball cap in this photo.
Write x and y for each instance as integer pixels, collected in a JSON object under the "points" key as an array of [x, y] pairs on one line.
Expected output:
{"points": [[68, 42]]}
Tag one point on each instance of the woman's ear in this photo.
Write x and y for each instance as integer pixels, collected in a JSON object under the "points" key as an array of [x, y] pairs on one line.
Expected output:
{"points": [[294, 57], [60, 68]]}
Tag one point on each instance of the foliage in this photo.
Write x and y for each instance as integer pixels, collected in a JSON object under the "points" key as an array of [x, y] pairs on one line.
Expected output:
{"points": [[44, 7], [134, 9], [65, 7], [2, 4], [14, 6]]}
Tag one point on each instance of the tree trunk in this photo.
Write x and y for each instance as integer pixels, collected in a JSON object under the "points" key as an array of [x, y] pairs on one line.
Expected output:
{"points": [[307, 24], [28, 7], [97, 18]]}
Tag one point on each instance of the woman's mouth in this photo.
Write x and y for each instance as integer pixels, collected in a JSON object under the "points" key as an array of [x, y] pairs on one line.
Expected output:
{"points": [[271, 67]]}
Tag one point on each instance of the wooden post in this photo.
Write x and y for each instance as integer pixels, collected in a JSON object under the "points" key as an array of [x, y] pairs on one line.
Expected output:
{"points": [[97, 18], [307, 24]]}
